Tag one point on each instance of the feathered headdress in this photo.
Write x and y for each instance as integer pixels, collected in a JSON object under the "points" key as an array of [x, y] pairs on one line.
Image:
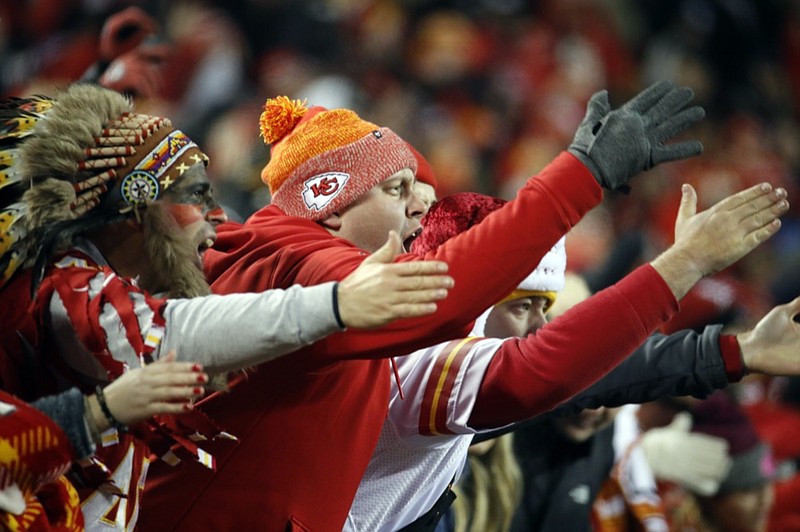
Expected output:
{"points": [[80, 153]]}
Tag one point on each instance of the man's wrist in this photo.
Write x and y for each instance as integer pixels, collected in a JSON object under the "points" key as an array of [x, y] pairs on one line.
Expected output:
{"points": [[678, 270]]}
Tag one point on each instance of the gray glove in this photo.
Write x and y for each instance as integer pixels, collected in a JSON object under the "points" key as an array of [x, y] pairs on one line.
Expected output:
{"points": [[617, 145]]}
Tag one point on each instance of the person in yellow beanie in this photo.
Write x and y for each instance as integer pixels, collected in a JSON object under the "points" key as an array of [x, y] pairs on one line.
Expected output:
{"points": [[339, 184]]}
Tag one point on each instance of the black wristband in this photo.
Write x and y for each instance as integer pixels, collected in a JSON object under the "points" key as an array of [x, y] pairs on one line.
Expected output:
{"points": [[336, 307], [101, 400]]}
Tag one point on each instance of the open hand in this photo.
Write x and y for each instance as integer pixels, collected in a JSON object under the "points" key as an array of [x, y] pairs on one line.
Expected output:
{"points": [[163, 387], [380, 291], [711, 240], [773, 345]]}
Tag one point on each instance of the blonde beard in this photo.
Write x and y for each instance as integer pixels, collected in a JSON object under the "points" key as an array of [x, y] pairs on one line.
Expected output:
{"points": [[173, 257], [175, 272]]}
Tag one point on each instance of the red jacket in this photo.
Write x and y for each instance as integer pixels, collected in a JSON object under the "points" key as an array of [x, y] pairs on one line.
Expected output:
{"points": [[308, 423]]}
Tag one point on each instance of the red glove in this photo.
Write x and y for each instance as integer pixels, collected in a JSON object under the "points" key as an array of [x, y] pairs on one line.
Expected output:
{"points": [[137, 72], [124, 31]]}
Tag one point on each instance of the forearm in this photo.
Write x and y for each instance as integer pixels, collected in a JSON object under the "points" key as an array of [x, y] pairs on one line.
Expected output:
{"points": [[521, 232], [533, 375], [238, 330], [677, 271]]}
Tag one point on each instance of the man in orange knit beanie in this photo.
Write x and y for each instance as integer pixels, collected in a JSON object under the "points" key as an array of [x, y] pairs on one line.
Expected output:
{"points": [[309, 424]]}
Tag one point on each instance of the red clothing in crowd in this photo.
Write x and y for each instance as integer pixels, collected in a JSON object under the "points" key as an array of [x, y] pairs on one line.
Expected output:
{"points": [[35, 454], [308, 423]]}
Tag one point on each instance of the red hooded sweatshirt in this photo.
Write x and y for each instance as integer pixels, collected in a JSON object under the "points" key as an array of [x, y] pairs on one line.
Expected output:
{"points": [[308, 423]]}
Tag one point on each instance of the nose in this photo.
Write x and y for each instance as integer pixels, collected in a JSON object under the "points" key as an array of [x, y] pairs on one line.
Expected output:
{"points": [[415, 208], [536, 319], [216, 216]]}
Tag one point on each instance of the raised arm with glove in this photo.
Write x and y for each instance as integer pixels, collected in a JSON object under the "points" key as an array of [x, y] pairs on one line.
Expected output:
{"points": [[616, 145]]}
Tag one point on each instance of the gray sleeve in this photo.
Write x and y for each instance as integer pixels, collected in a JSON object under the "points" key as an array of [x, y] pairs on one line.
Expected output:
{"points": [[229, 332], [683, 363], [67, 410]]}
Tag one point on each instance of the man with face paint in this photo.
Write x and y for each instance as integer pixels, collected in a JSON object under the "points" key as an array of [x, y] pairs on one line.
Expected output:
{"points": [[102, 208]]}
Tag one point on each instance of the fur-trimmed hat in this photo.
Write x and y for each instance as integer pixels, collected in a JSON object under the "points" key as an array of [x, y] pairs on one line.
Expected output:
{"points": [[81, 152], [323, 160], [458, 212]]}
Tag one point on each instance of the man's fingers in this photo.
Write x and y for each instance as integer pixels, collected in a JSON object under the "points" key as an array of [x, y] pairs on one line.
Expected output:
{"points": [[749, 200], [669, 105], [417, 267], [766, 215], [678, 123], [761, 235], [598, 107], [420, 296], [688, 206], [413, 310], [387, 252], [649, 97]]}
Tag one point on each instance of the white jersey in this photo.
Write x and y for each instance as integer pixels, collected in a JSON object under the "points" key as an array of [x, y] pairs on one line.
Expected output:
{"points": [[424, 441]]}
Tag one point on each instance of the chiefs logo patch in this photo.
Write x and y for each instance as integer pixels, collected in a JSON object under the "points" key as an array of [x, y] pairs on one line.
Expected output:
{"points": [[320, 190]]}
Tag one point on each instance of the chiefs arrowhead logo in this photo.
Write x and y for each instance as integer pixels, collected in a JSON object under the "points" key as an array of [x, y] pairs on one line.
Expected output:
{"points": [[320, 190]]}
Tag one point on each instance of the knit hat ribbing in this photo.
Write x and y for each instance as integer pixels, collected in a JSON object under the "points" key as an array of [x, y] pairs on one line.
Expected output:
{"points": [[323, 160]]}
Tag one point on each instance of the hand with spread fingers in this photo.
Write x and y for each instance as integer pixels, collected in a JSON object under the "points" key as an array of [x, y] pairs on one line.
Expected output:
{"points": [[163, 387], [773, 345], [380, 291], [711, 240], [616, 145]]}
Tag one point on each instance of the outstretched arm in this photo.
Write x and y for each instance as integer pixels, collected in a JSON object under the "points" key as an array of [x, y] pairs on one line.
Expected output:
{"points": [[773, 345], [577, 349]]}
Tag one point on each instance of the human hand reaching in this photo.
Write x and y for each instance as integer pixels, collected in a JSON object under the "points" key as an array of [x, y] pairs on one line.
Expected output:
{"points": [[773, 345], [713, 239], [616, 145], [380, 291], [163, 387]]}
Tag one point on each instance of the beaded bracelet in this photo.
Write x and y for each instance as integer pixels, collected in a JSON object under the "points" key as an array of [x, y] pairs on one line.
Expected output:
{"points": [[101, 400]]}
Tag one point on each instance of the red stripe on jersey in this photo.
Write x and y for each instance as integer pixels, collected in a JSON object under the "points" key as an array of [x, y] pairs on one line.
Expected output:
{"points": [[433, 414]]}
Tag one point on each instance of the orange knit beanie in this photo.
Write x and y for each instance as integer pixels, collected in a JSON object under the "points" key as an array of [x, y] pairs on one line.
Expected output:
{"points": [[323, 160]]}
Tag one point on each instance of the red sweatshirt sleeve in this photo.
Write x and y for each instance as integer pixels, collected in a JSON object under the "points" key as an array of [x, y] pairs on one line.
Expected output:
{"points": [[487, 262], [529, 376]]}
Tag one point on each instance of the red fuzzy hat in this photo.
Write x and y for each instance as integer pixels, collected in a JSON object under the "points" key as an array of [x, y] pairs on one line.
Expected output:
{"points": [[458, 212]]}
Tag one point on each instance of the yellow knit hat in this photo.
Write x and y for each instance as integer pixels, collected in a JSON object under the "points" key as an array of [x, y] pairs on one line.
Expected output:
{"points": [[323, 160]]}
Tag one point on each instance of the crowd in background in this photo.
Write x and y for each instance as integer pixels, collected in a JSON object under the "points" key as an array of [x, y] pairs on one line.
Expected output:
{"points": [[488, 90]]}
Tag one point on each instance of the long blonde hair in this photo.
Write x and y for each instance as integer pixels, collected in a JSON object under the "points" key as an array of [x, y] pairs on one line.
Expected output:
{"points": [[486, 502]]}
